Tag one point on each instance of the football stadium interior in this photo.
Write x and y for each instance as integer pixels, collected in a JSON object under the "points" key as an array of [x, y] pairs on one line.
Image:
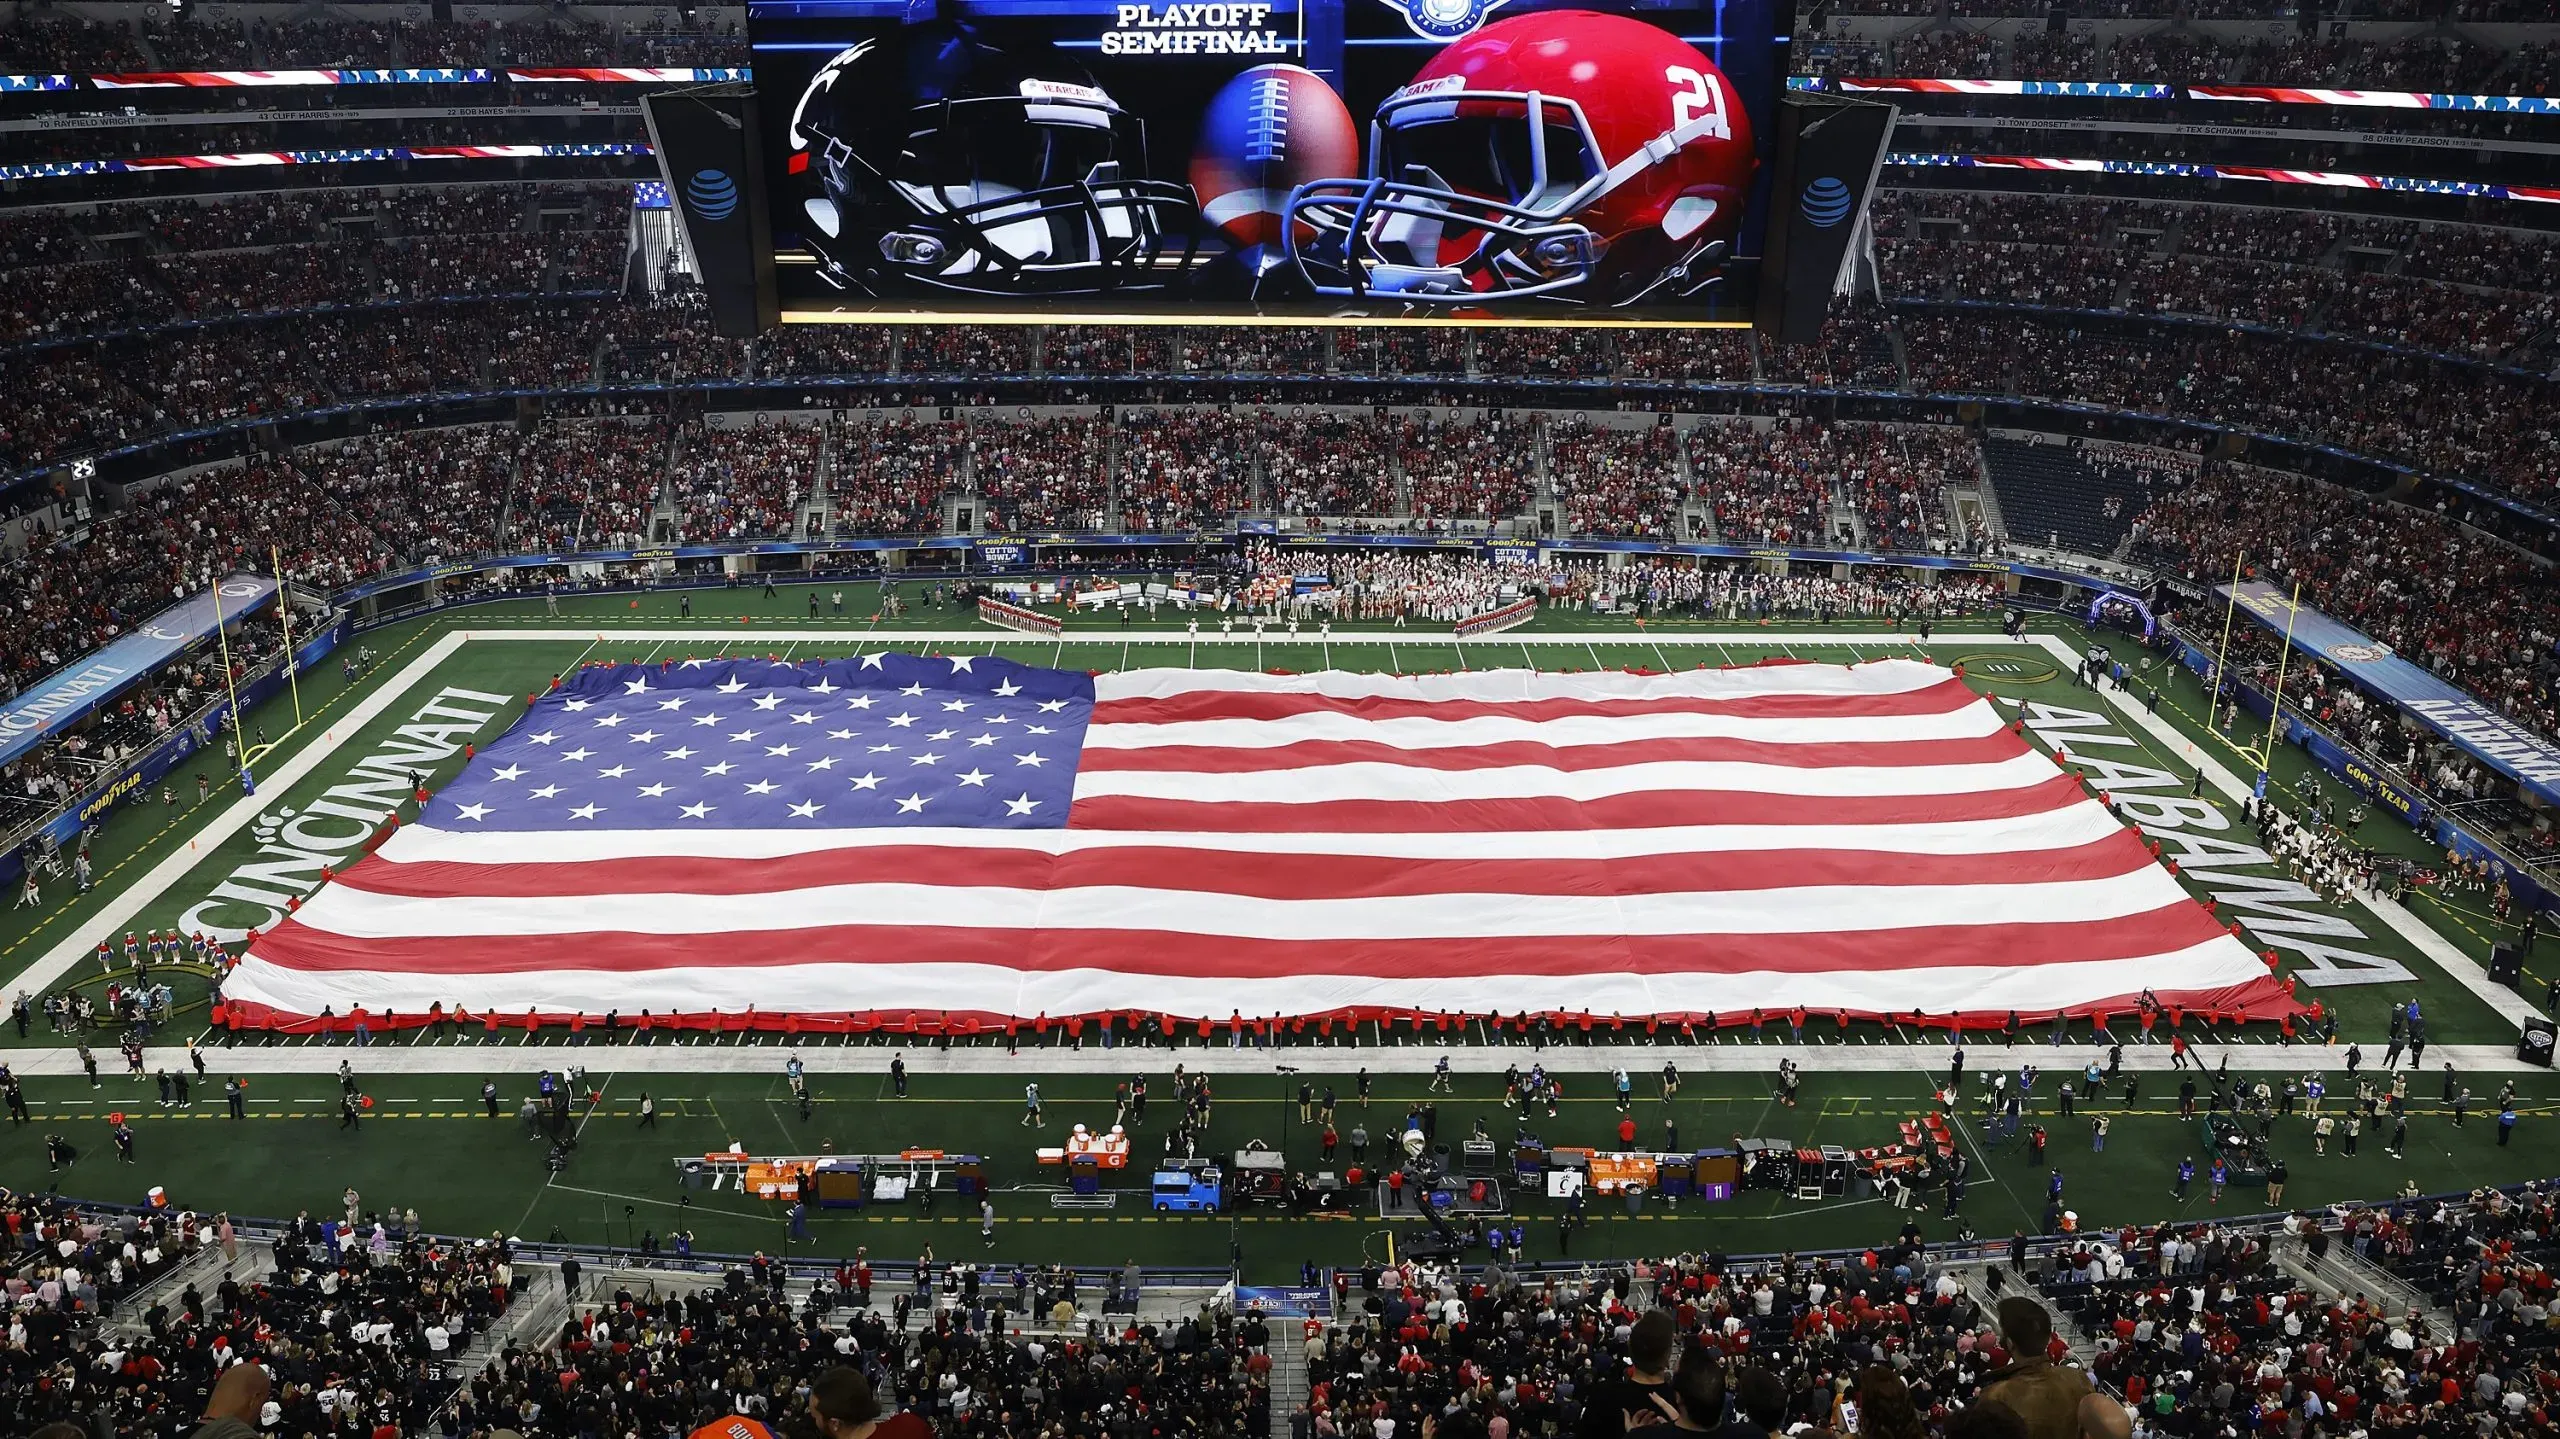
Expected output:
{"points": [[855, 718]]}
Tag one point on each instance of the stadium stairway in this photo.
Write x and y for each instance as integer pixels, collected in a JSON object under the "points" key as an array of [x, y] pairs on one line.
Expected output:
{"points": [[1289, 1387], [2341, 1273], [203, 1269]]}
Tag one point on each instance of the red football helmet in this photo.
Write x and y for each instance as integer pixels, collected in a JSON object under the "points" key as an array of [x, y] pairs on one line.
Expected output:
{"points": [[1587, 158]]}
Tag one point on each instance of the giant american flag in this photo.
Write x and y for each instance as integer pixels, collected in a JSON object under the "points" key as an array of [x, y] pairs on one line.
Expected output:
{"points": [[895, 835]]}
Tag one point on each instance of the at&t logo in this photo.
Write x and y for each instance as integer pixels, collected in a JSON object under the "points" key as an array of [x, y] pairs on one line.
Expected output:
{"points": [[713, 193]]}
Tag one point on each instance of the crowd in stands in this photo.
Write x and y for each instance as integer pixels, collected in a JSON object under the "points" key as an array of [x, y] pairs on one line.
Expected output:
{"points": [[1767, 483], [357, 1321], [590, 483], [890, 474], [2264, 267], [1255, 350], [2475, 610], [35, 43], [1042, 474], [1480, 469], [1330, 463], [1623, 482], [2418, 62], [743, 481], [1187, 469], [79, 590]]}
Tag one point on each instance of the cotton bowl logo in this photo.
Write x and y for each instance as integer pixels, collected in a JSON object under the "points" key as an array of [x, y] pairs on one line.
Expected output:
{"points": [[2354, 654], [1443, 19], [713, 193], [1827, 202]]}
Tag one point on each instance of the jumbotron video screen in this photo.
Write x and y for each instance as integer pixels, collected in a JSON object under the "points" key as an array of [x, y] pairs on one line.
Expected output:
{"points": [[1306, 159]]}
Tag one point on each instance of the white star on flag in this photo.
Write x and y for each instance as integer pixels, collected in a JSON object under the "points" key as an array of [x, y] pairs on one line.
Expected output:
{"points": [[866, 781], [638, 686], [858, 702], [696, 811], [472, 811], [912, 690], [680, 752], [960, 664], [1025, 805], [609, 722], [783, 751], [769, 702], [617, 772], [818, 764], [654, 791], [901, 721], [762, 786], [912, 804], [733, 685], [976, 777], [513, 771], [928, 757], [546, 737], [872, 661], [1008, 687], [581, 752], [824, 686], [1033, 760], [721, 768], [673, 704], [956, 706], [546, 792], [586, 811], [1050, 707], [573, 706], [807, 809]]}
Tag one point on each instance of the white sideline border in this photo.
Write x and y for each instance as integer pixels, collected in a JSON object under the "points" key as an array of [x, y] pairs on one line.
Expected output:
{"points": [[2461, 968]]}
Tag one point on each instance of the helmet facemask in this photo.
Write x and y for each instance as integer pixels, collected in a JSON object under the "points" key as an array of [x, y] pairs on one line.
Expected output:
{"points": [[1471, 196]]}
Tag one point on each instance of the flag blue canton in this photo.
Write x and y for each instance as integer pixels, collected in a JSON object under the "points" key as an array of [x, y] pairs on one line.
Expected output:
{"points": [[887, 740]]}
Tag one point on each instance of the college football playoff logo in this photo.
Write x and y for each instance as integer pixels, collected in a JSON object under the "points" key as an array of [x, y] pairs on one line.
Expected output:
{"points": [[1444, 19]]}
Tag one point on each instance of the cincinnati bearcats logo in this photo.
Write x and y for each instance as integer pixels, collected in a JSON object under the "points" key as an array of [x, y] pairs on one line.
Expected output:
{"points": [[1444, 19]]}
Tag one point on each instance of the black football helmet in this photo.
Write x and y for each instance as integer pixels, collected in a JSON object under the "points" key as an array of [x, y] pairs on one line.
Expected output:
{"points": [[936, 159]]}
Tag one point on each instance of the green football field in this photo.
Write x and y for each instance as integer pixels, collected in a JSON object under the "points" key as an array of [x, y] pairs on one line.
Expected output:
{"points": [[469, 1174]]}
